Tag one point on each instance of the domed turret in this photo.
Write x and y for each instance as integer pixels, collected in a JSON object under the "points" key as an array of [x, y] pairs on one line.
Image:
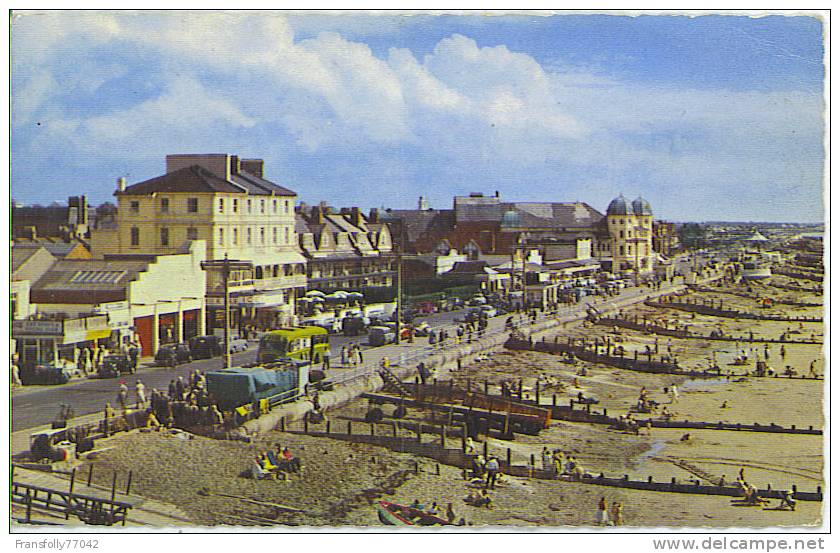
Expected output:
{"points": [[619, 206], [641, 207]]}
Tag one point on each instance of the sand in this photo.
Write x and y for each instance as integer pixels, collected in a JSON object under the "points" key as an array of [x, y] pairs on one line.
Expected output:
{"points": [[342, 480]]}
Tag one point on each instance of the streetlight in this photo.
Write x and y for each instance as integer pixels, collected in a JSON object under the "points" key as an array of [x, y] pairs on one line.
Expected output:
{"points": [[226, 266]]}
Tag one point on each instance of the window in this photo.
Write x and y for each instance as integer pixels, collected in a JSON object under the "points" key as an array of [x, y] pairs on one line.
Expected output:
{"points": [[249, 206], [135, 207], [287, 235], [262, 235], [288, 204], [235, 235], [621, 234], [274, 234], [221, 205], [192, 205], [235, 205], [248, 236], [135, 236], [221, 237], [164, 205], [164, 236], [192, 233], [274, 206], [262, 206]]}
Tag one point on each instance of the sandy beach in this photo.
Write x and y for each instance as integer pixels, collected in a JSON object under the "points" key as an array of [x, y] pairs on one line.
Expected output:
{"points": [[341, 480]]}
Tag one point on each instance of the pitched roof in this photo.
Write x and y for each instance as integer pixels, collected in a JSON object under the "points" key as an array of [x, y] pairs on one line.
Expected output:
{"points": [[416, 222], [189, 179], [259, 186], [87, 281]]}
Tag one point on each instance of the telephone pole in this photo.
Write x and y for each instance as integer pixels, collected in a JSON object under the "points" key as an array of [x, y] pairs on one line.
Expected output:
{"points": [[225, 266]]}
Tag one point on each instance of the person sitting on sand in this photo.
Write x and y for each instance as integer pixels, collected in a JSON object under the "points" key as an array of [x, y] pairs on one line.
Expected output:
{"points": [[787, 503], [417, 505], [666, 414], [724, 405], [290, 461], [484, 500], [257, 470]]}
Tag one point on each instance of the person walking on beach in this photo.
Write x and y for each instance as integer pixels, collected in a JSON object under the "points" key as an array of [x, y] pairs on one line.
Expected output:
{"points": [[602, 517], [675, 395], [782, 352], [492, 469], [617, 514]]}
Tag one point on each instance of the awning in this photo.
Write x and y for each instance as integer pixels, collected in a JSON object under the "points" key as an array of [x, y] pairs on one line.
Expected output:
{"points": [[97, 334], [278, 258]]}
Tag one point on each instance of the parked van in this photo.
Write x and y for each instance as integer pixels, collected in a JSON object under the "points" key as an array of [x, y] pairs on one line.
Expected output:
{"points": [[380, 336]]}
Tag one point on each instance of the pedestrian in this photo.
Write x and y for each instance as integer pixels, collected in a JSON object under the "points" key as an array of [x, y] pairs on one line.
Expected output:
{"points": [[617, 514], [782, 352], [326, 359], [180, 388], [140, 391], [343, 356], [173, 389], [361, 357], [16, 375], [547, 459], [675, 395], [122, 395], [492, 469], [602, 517]]}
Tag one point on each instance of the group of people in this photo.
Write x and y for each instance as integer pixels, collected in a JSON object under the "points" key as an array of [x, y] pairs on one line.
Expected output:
{"points": [[435, 510], [351, 355], [90, 360], [487, 471], [277, 464], [609, 515]]}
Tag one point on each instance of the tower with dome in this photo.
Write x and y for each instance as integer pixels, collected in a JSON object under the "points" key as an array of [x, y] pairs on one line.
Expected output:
{"points": [[629, 226]]}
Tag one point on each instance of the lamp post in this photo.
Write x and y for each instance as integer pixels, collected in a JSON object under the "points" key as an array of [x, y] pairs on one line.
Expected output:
{"points": [[398, 337], [226, 266]]}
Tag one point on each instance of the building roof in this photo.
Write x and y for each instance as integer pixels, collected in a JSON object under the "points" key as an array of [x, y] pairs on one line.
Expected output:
{"points": [[641, 207], [619, 206], [56, 246], [87, 281], [197, 179], [20, 256], [416, 222]]}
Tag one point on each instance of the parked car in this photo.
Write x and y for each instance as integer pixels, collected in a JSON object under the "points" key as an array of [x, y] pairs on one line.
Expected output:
{"points": [[173, 354], [238, 344], [205, 347], [44, 375], [489, 311], [115, 365]]}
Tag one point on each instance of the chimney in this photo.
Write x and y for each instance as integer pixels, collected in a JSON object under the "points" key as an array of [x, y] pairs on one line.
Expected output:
{"points": [[497, 193], [121, 184], [374, 215], [318, 214], [252, 167], [356, 217], [235, 166], [422, 204]]}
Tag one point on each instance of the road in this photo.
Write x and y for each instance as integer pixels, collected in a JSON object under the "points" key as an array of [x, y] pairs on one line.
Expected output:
{"points": [[38, 405]]}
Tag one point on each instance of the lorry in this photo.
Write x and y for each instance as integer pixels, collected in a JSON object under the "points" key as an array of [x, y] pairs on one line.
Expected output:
{"points": [[243, 386]]}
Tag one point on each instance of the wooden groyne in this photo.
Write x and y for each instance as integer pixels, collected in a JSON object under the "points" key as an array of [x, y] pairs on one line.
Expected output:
{"points": [[651, 328], [750, 296], [385, 435], [798, 275], [509, 406], [636, 363], [710, 310], [790, 287]]}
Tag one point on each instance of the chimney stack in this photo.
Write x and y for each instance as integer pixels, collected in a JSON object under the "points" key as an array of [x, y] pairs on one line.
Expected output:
{"points": [[356, 217], [121, 184], [374, 215], [422, 204]]}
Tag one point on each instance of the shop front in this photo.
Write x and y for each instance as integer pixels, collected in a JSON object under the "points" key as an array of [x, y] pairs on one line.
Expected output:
{"points": [[53, 342]]}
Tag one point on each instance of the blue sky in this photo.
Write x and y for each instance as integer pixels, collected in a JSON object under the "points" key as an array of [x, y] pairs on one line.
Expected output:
{"points": [[712, 117]]}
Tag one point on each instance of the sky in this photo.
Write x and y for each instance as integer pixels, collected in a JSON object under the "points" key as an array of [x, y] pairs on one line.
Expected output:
{"points": [[714, 117]]}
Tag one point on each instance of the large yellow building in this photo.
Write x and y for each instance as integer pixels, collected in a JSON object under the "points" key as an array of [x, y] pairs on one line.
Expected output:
{"points": [[226, 202], [629, 225]]}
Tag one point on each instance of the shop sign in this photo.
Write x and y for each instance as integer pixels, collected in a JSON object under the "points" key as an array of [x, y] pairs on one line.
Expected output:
{"points": [[51, 328]]}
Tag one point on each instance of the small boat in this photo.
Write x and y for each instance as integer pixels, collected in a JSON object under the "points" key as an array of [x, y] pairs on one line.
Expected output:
{"points": [[394, 514]]}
